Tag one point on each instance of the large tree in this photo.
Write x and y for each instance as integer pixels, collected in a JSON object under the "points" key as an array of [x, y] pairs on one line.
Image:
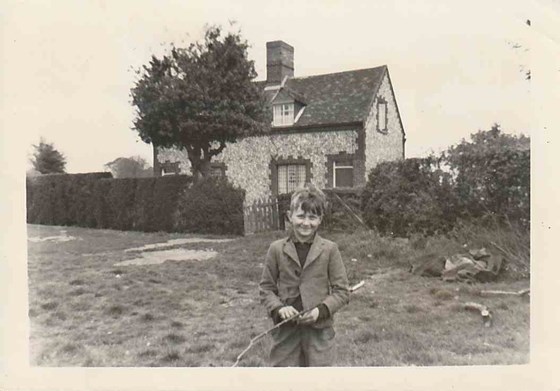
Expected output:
{"points": [[199, 98], [129, 167], [46, 159]]}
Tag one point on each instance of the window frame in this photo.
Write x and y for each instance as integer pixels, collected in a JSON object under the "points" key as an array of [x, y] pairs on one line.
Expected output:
{"points": [[283, 114], [335, 167], [382, 106], [299, 169], [276, 162]]}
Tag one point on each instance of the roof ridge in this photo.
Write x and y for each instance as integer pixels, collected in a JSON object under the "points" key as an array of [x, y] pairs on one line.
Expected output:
{"points": [[328, 74], [337, 73]]}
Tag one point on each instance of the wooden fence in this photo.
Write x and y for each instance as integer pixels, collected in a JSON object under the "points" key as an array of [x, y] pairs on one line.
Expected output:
{"points": [[262, 216]]}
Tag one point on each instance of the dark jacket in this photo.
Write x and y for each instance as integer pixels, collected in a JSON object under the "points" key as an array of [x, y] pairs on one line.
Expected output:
{"points": [[322, 279]]}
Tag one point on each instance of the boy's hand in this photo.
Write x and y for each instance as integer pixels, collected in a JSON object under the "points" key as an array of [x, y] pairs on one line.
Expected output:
{"points": [[287, 312], [309, 317]]}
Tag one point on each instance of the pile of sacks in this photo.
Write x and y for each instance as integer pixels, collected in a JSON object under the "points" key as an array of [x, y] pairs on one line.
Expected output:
{"points": [[476, 265]]}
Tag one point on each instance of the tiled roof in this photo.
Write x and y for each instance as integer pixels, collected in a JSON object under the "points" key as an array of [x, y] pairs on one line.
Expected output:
{"points": [[341, 97]]}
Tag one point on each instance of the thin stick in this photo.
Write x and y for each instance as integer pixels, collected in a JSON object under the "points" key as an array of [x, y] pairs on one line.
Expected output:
{"points": [[357, 286], [255, 339], [522, 292], [350, 210], [507, 253]]}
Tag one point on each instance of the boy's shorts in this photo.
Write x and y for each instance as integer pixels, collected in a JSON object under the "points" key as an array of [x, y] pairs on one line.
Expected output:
{"points": [[302, 346]]}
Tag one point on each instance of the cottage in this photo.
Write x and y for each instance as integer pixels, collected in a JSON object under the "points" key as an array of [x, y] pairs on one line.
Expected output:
{"points": [[327, 129]]}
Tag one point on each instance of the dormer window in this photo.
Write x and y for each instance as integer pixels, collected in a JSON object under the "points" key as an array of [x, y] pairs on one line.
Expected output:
{"points": [[283, 114]]}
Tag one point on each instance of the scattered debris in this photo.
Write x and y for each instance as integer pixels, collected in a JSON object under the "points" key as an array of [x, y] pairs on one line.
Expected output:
{"points": [[522, 292], [177, 242], [158, 257], [483, 310], [476, 265]]}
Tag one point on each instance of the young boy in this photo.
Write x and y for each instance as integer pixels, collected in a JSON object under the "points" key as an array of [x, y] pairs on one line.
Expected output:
{"points": [[304, 272]]}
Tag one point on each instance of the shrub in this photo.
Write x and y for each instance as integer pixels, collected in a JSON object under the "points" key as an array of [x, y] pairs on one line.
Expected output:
{"points": [[409, 196], [211, 206], [494, 183], [343, 210], [485, 182]]}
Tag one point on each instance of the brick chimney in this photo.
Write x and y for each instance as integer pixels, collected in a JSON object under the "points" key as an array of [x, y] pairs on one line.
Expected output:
{"points": [[279, 62]]}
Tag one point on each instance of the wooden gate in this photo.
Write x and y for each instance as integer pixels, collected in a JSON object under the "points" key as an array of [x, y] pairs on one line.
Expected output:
{"points": [[262, 216]]}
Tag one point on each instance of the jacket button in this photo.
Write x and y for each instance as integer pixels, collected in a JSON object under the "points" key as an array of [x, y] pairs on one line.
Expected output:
{"points": [[297, 273]]}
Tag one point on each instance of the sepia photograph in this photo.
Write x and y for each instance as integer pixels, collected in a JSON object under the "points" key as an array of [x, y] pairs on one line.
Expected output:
{"points": [[199, 185]]}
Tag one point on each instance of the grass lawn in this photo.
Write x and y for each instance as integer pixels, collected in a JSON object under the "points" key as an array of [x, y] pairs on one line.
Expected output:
{"points": [[85, 311]]}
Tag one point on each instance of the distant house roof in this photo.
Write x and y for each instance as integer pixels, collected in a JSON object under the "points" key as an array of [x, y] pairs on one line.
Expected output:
{"points": [[334, 98]]}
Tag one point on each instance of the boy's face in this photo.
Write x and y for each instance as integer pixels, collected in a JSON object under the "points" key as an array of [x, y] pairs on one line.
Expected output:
{"points": [[304, 224]]}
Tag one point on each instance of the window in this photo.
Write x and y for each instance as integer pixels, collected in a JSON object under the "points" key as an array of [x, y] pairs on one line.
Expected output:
{"points": [[382, 116], [291, 177], [283, 114], [168, 168], [343, 174]]}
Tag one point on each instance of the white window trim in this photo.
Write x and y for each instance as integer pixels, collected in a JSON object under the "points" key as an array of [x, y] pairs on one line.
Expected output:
{"points": [[299, 114], [280, 117], [382, 107], [335, 167]]}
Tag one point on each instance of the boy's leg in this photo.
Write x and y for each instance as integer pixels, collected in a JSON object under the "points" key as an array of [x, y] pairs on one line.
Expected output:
{"points": [[286, 349], [318, 347]]}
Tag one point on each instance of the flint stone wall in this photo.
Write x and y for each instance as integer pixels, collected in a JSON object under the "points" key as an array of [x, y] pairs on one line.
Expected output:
{"points": [[248, 160], [380, 147]]}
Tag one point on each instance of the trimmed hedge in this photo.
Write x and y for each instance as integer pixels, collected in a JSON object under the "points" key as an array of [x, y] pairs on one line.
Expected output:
{"points": [[171, 203], [211, 206], [62, 199]]}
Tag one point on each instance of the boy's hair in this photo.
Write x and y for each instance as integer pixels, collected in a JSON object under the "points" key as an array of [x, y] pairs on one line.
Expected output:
{"points": [[311, 199]]}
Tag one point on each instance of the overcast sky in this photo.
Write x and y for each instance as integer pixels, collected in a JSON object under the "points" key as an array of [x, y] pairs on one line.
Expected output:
{"points": [[456, 66]]}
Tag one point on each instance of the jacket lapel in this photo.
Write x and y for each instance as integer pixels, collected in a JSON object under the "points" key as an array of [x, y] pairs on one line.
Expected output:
{"points": [[314, 251], [290, 251]]}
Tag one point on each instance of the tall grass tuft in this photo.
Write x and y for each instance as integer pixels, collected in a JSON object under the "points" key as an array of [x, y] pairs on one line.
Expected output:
{"points": [[511, 241]]}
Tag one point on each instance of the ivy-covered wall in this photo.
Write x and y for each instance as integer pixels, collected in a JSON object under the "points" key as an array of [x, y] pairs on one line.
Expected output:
{"points": [[248, 160], [383, 146]]}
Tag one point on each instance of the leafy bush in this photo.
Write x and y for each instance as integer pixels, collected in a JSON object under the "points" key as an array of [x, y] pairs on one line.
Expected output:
{"points": [[485, 181], [494, 184], [492, 176], [408, 196], [211, 206]]}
